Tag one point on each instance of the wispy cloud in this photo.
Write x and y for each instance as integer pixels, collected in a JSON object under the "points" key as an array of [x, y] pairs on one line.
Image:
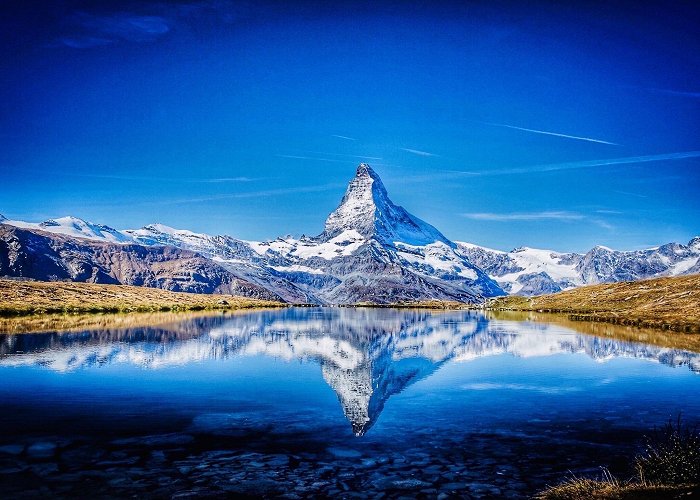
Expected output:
{"points": [[553, 167], [91, 30], [609, 212], [548, 215], [295, 157], [629, 160], [188, 180], [84, 41], [629, 193], [147, 21], [680, 93], [226, 179], [603, 224], [344, 137], [346, 155], [248, 194], [438, 175], [556, 134], [418, 152], [524, 216]]}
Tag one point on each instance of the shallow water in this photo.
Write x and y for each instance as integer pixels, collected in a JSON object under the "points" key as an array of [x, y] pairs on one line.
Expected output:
{"points": [[329, 401]]}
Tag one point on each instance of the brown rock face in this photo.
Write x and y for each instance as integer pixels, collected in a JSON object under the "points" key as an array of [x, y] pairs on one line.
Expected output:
{"points": [[50, 257]]}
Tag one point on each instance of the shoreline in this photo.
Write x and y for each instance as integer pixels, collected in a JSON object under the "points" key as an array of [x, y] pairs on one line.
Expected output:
{"points": [[34, 298], [662, 304], [667, 304]]}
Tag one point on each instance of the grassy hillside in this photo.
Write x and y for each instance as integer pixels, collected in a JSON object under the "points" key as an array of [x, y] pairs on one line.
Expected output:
{"points": [[61, 322], [669, 303], [38, 297]]}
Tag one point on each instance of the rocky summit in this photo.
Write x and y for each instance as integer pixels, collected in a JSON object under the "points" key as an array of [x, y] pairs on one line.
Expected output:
{"points": [[370, 251]]}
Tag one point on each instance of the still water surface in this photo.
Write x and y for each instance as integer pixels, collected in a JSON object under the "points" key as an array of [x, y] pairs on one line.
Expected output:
{"points": [[329, 401]]}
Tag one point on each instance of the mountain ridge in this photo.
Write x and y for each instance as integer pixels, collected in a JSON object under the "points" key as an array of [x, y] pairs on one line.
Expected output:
{"points": [[370, 250]]}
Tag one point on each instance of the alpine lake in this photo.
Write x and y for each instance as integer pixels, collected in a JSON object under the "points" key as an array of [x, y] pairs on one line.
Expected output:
{"points": [[332, 402]]}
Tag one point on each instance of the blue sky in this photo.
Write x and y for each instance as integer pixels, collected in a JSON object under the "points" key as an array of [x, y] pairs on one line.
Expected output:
{"points": [[547, 126]]}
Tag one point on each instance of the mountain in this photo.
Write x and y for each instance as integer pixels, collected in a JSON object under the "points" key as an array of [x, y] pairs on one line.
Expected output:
{"points": [[44, 256], [529, 271], [374, 251], [367, 211], [75, 227], [370, 250]]}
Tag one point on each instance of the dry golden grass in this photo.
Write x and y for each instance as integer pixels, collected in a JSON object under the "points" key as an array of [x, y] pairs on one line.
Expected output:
{"points": [[668, 303], [612, 489], [41, 323], [39, 297]]}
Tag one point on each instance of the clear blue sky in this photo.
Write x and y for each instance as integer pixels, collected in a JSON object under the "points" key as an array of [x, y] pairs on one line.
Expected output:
{"points": [[249, 119]]}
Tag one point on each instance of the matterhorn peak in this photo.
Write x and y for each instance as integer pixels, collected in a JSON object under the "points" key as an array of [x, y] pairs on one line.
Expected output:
{"points": [[367, 209], [363, 169]]}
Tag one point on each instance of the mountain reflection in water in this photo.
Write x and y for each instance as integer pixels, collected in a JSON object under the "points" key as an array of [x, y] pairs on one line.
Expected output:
{"points": [[365, 355]]}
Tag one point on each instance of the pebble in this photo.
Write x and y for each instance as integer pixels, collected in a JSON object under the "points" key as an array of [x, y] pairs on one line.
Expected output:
{"points": [[409, 484], [12, 449], [41, 450], [453, 486], [344, 452], [190, 465], [44, 469]]}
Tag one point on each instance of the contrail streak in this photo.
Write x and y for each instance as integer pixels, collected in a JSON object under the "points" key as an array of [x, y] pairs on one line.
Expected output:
{"points": [[556, 134]]}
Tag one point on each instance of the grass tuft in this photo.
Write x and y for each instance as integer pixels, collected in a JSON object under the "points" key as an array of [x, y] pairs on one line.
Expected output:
{"points": [[582, 488], [669, 467], [671, 456]]}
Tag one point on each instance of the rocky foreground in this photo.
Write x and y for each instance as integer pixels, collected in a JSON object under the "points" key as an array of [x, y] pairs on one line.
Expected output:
{"points": [[251, 463]]}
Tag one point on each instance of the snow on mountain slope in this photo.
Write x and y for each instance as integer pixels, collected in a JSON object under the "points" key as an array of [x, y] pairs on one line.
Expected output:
{"points": [[235, 255], [75, 227], [342, 244], [526, 271], [603, 265], [529, 271]]}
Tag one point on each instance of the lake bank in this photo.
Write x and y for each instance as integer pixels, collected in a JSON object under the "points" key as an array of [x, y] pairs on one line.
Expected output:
{"points": [[671, 303], [23, 298]]}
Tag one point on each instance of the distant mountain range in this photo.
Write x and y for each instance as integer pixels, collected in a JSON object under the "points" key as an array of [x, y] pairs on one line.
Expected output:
{"points": [[370, 250]]}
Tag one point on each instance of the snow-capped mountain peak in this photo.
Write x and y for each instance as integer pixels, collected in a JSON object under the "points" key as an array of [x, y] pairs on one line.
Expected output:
{"points": [[163, 233], [371, 250], [367, 209], [74, 227], [694, 243], [357, 208]]}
